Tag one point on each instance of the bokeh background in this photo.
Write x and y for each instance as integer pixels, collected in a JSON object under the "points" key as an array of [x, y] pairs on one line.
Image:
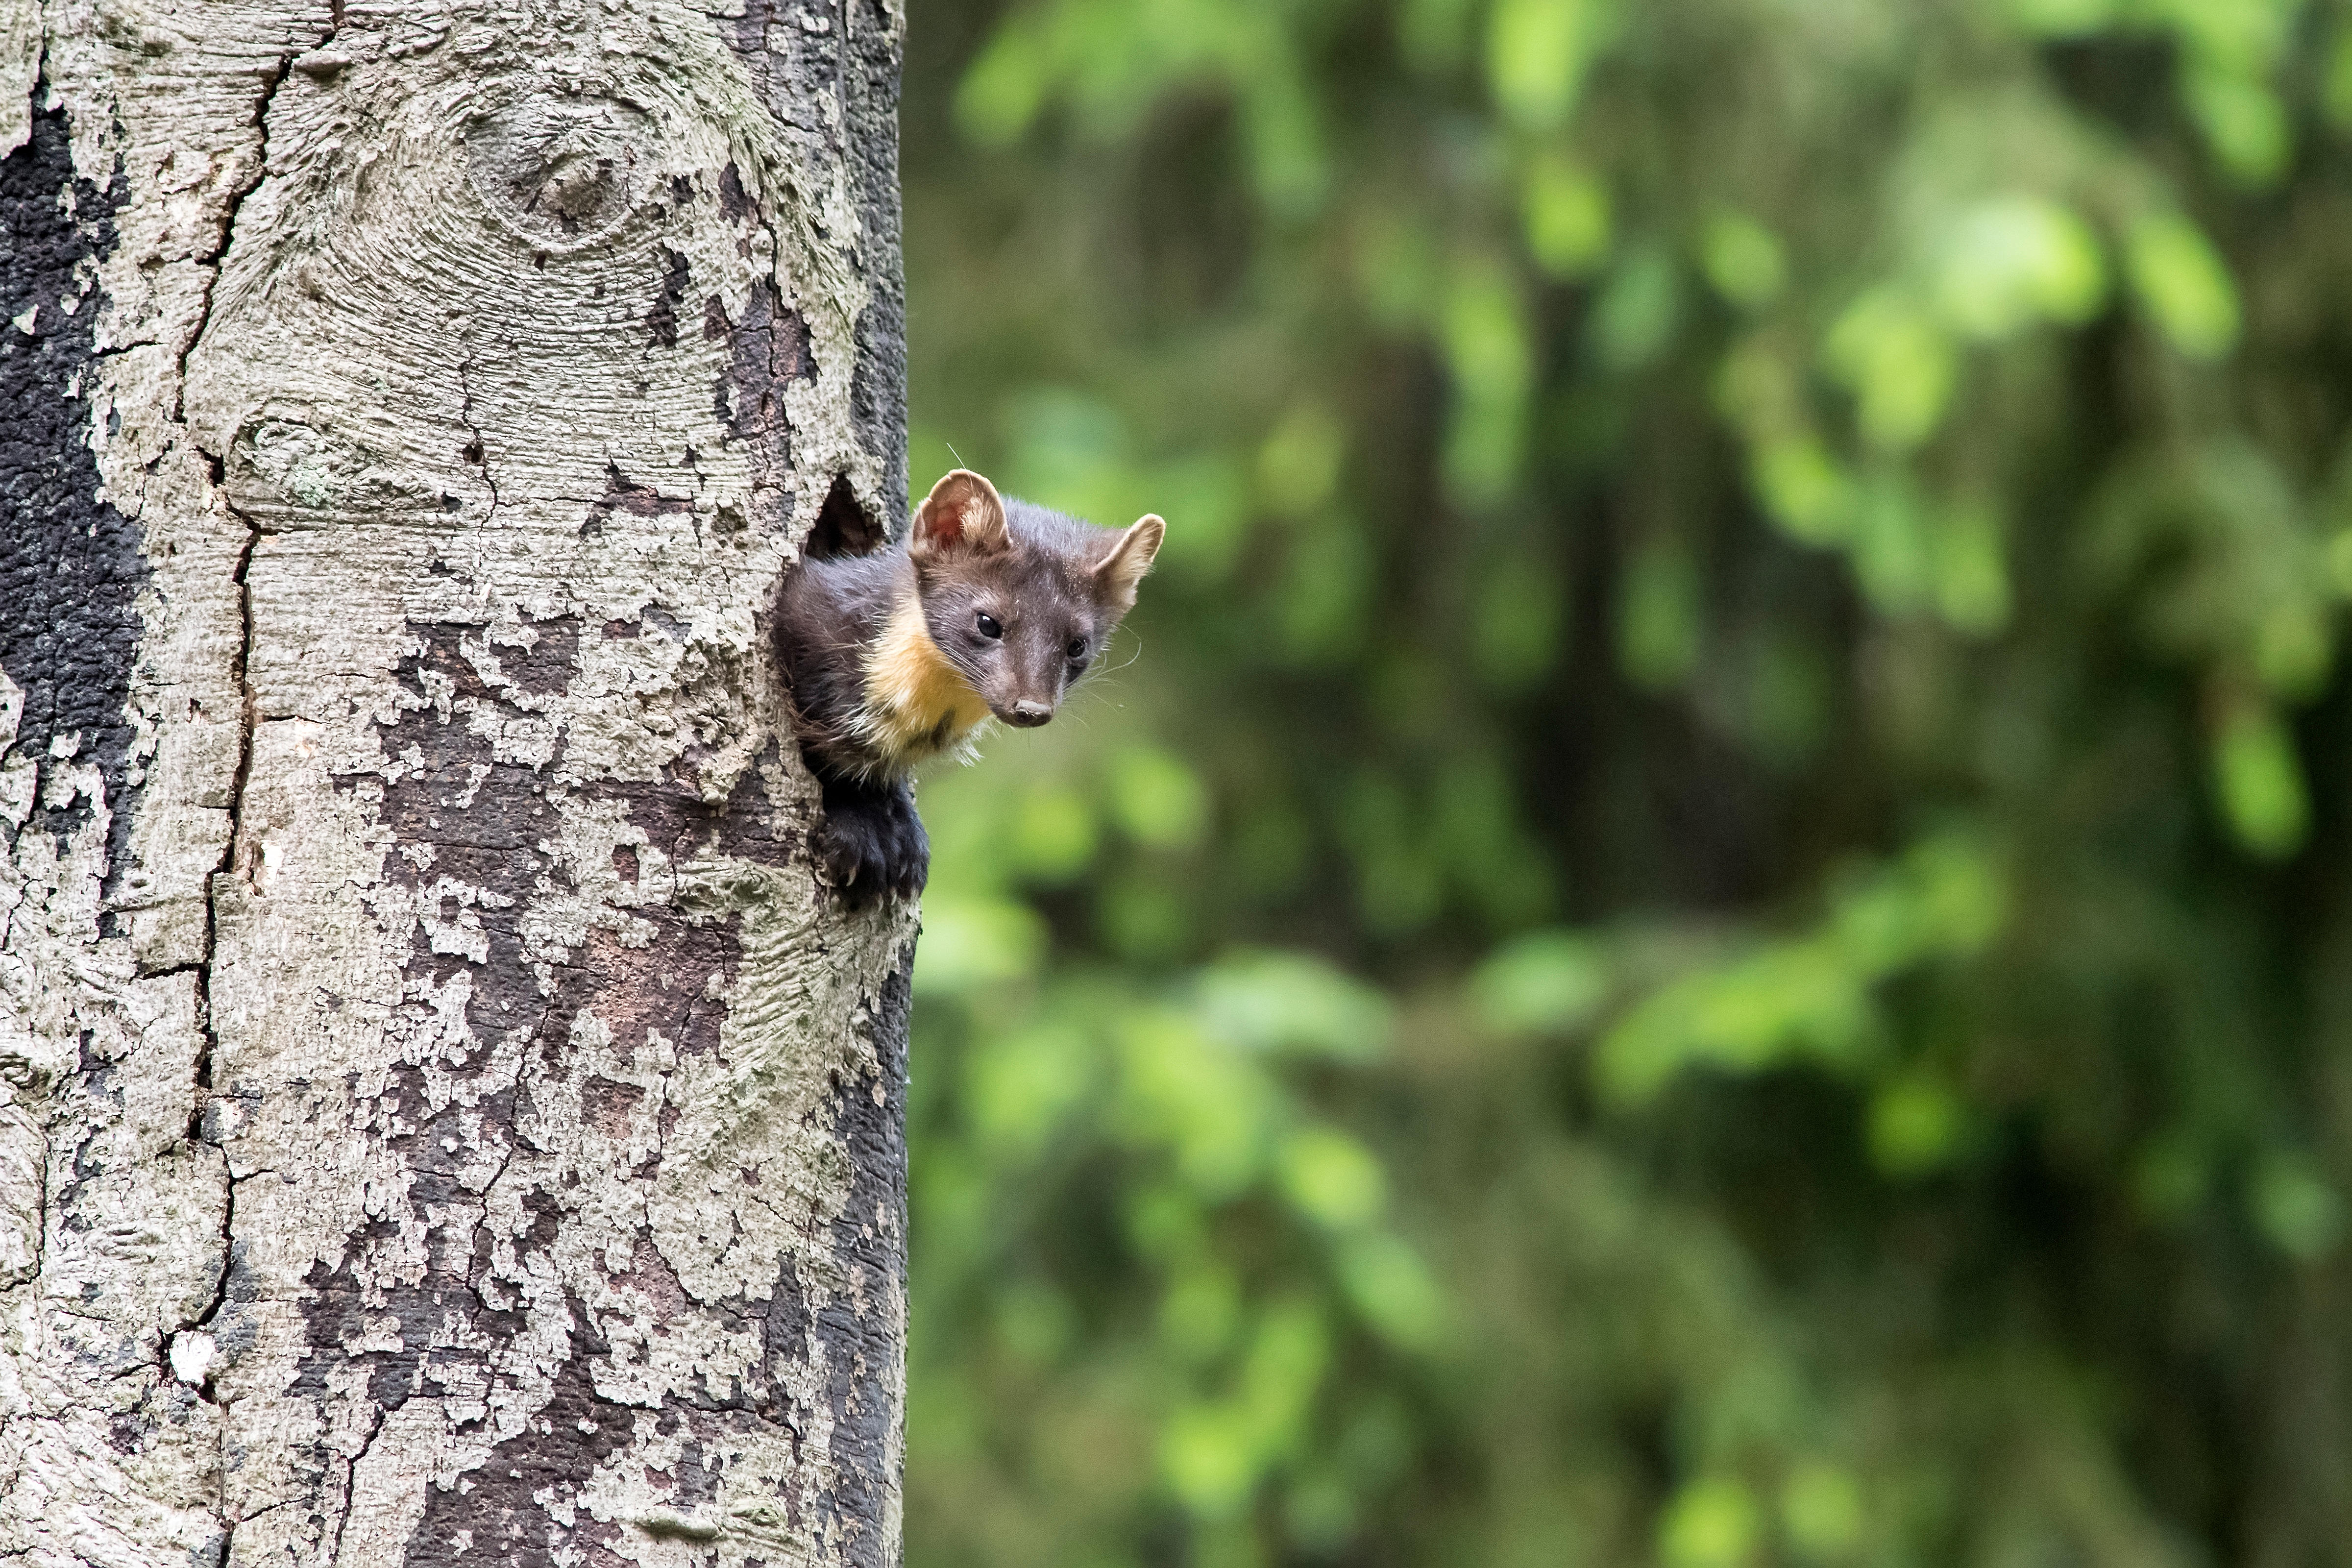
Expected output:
{"points": [[1704, 917]]}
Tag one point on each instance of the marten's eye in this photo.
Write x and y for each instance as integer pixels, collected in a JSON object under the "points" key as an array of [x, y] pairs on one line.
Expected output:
{"points": [[1076, 650], [989, 626]]}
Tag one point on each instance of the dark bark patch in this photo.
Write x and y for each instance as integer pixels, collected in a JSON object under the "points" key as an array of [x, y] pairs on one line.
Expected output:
{"points": [[348, 1324], [678, 822], [70, 564], [546, 666], [495, 833], [661, 321], [733, 199], [696, 1482], [785, 1330], [622, 494], [610, 1105], [489, 821], [869, 146], [869, 1240], [770, 351], [672, 986], [521, 1507], [546, 1219], [493, 829]]}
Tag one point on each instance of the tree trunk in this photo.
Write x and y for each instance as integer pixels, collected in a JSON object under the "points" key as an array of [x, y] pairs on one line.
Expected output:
{"points": [[442, 1119]]}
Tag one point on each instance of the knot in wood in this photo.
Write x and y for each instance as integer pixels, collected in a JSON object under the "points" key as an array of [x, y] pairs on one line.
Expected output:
{"points": [[561, 170]]}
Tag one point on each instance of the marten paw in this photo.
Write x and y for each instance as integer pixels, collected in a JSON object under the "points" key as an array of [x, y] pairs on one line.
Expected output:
{"points": [[875, 846]]}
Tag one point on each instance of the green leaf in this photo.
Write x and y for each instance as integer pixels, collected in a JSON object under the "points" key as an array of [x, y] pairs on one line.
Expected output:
{"points": [[1711, 1523], [1004, 88], [1659, 620], [1209, 1459], [1157, 800], [1489, 351], [1331, 1179], [1744, 261], [1192, 1098], [1900, 363], [2244, 121], [2014, 260], [2296, 1208], [1566, 215], [1915, 1127], [1810, 998], [1549, 983], [2335, 87], [1822, 1510], [1201, 1310], [969, 944], [1387, 1282], [1537, 52], [2260, 781], [2182, 282], [1971, 569], [1290, 1001], [1804, 489], [1282, 1371], [2292, 650], [1891, 541], [1634, 319]]}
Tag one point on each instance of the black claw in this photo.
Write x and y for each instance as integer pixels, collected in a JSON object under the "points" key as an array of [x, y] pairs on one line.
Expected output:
{"points": [[872, 843]]}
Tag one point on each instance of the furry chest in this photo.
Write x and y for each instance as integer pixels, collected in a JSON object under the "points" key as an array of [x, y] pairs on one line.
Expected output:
{"points": [[916, 703]]}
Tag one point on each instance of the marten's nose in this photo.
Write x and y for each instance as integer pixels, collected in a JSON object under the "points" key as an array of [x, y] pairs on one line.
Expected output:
{"points": [[1029, 715]]}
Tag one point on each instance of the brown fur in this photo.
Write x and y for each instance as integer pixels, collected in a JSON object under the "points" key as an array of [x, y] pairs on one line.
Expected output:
{"points": [[988, 608]]}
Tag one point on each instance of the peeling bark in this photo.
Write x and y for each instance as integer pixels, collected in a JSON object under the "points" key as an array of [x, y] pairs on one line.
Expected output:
{"points": [[442, 1118]]}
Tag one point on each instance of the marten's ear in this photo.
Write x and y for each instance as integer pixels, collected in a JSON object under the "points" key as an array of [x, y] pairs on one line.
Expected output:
{"points": [[1116, 573], [964, 511]]}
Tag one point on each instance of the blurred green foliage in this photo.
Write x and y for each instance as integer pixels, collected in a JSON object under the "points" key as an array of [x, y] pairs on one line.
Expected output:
{"points": [[1703, 919]]}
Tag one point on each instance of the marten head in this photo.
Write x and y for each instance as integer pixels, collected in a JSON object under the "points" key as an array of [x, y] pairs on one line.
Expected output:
{"points": [[1019, 599]]}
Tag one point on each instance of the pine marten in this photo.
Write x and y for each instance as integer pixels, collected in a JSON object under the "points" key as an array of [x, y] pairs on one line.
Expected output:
{"points": [[989, 608]]}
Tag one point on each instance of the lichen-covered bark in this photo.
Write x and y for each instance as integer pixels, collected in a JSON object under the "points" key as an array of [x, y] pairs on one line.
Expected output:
{"points": [[441, 1116]]}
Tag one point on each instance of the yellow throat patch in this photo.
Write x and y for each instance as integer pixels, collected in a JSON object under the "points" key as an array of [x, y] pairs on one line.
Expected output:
{"points": [[916, 703]]}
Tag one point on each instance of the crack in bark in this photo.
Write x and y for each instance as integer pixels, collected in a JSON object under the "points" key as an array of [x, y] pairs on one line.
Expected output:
{"points": [[477, 452], [350, 1482], [236, 205], [241, 672], [207, 1026], [248, 714]]}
